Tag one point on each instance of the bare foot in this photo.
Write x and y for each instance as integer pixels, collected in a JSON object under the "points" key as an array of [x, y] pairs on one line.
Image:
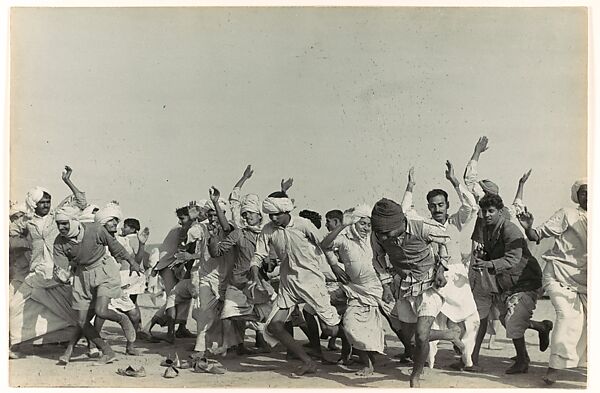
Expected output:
{"points": [[550, 377], [365, 372], [306, 368], [131, 350]]}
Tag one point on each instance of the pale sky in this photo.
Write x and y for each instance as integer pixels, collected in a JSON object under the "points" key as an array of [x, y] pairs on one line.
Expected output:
{"points": [[153, 106]]}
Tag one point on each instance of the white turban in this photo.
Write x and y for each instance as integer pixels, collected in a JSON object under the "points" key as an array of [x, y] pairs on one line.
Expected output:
{"points": [[87, 214], [107, 213], [274, 205], [362, 211], [250, 203], [17, 208], [575, 188], [33, 197], [222, 203], [71, 214]]}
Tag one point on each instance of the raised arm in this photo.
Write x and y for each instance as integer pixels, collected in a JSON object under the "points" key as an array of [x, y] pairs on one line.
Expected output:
{"points": [[468, 205], [471, 176], [235, 197], [245, 176], [407, 200], [214, 197], [286, 184], [79, 196]]}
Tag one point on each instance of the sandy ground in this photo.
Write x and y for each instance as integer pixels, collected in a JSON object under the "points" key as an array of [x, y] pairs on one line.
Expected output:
{"points": [[39, 368]]}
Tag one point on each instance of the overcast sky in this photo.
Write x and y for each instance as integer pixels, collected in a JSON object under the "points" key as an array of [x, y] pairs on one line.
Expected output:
{"points": [[153, 106]]}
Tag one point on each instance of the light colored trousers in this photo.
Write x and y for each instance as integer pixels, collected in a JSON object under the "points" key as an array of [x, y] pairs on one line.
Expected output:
{"points": [[568, 343]]}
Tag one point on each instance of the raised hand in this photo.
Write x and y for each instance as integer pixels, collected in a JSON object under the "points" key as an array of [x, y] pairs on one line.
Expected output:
{"points": [[411, 177], [450, 174], [248, 172], [349, 217], [66, 175], [525, 176], [214, 194], [525, 219], [143, 235], [481, 145], [286, 184]]}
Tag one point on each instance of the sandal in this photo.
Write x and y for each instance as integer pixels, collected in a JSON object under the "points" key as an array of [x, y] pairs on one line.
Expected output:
{"points": [[132, 372], [171, 372], [202, 366]]}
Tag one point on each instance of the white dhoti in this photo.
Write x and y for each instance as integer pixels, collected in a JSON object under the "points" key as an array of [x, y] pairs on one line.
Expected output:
{"points": [[568, 343], [38, 312], [363, 325]]}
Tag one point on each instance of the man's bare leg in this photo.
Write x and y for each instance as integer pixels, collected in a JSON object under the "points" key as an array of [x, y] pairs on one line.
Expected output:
{"points": [[366, 360], [277, 328], [104, 312], [422, 333]]}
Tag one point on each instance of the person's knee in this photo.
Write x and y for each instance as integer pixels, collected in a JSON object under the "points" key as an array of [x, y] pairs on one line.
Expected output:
{"points": [[275, 327], [135, 316]]}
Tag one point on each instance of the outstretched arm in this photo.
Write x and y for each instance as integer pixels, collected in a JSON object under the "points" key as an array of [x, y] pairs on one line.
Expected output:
{"points": [[521, 186], [79, 196], [214, 197], [468, 205], [235, 196], [286, 184], [245, 176], [471, 176]]}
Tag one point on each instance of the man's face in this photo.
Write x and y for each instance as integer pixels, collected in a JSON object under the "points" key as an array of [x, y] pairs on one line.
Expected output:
{"points": [[438, 207], [363, 227], [491, 215], [127, 230], [212, 218], [111, 226], [63, 227], [582, 197], [391, 234], [252, 219], [280, 219], [184, 220], [332, 223], [43, 206]]}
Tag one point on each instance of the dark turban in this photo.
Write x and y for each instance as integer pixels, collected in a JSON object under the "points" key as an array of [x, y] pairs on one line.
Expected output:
{"points": [[386, 216]]}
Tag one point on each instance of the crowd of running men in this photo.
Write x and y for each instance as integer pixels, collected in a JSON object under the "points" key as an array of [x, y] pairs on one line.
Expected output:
{"points": [[243, 263]]}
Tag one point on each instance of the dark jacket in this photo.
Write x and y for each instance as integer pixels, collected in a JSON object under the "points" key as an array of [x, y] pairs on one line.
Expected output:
{"points": [[515, 268]]}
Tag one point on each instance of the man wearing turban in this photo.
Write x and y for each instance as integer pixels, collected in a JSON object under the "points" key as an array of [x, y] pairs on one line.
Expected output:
{"points": [[109, 216], [40, 293], [96, 277], [408, 244], [362, 319], [459, 305], [565, 280], [296, 243], [241, 303]]}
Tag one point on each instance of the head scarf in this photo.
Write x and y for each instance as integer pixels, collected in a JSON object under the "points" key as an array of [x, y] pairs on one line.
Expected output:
{"points": [[107, 213], [575, 189], [489, 187], [250, 203], [222, 204], [87, 214], [71, 214], [361, 211], [386, 216], [274, 205], [33, 197], [17, 208]]}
